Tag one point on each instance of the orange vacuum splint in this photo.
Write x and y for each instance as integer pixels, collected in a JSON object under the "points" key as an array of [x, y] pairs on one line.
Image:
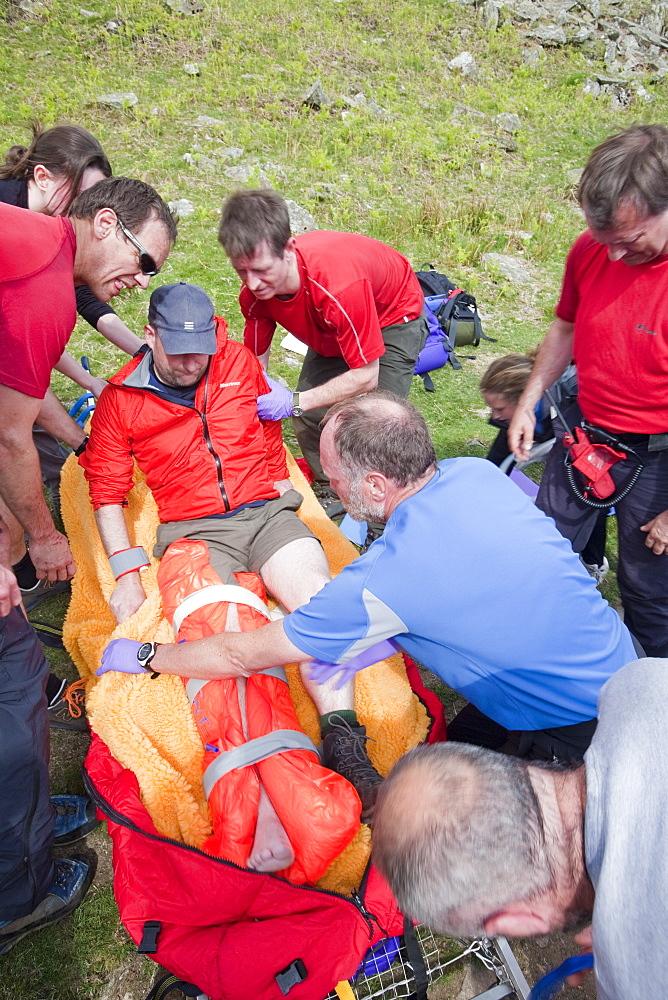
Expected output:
{"points": [[319, 809]]}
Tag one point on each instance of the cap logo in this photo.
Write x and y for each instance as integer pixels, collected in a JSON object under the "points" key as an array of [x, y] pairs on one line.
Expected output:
{"points": [[189, 325]]}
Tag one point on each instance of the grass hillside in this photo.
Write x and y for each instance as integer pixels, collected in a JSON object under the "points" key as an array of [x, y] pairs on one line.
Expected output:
{"points": [[421, 164]]}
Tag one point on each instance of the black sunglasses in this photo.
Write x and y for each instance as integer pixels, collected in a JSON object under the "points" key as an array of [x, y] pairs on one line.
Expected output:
{"points": [[147, 264]]}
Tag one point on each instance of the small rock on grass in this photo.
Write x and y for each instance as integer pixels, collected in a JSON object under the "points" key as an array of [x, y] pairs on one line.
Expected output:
{"points": [[508, 121], [510, 267], [181, 208], [465, 63], [550, 34], [315, 97], [118, 100], [301, 220]]}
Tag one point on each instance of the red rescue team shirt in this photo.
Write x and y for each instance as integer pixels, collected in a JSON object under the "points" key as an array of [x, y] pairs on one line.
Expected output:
{"points": [[351, 288], [620, 342], [37, 301]]}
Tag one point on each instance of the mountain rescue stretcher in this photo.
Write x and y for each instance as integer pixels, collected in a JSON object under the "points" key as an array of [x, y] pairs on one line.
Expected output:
{"points": [[235, 933]]}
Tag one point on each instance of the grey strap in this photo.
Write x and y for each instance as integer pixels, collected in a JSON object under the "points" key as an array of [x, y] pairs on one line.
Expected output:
{"points": [[128, 560], [253, 752], [194, 686], [277, 672]]}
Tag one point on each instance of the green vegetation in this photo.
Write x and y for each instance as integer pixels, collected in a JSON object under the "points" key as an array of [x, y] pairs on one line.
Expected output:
{"points": [[433, 177]]}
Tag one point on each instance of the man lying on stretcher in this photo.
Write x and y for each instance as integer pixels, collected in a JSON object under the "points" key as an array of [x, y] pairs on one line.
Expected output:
{"points": [[185, 409]]}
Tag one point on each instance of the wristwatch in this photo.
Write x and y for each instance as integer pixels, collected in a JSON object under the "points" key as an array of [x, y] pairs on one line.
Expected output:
{"points": [[297, 410], [145, 654]]}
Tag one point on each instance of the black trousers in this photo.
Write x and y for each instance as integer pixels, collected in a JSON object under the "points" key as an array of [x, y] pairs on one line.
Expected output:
{"points": [[642, 576], [26, 814], [562, 743]]}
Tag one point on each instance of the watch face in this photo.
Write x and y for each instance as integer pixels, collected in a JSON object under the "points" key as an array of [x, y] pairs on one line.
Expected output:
{"points": [[144, 652]]}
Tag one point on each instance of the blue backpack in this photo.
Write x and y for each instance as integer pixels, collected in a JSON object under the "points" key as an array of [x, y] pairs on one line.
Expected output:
{"points": [[453, 320]]}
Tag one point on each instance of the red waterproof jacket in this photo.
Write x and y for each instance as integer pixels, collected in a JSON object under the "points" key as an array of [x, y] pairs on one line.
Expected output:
{"points": [[199, 460]]}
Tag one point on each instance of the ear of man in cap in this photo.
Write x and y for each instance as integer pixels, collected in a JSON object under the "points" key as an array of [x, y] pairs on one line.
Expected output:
{"points": [[182, 315]]}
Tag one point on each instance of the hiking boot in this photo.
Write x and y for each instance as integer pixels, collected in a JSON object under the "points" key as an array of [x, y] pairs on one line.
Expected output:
{"points": [[344, 751], [43, 589], [75, 818], [598, 572], [73, 877], [328, 500], [374, 532], [68, 711]]}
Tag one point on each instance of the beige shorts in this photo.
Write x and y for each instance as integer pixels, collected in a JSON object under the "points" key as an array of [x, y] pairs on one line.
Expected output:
{"points": [[246, 540]]}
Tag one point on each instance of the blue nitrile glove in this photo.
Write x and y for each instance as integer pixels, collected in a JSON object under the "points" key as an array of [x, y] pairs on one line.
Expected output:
{"points": [[322, 672], [121, 655], [277, 404]]}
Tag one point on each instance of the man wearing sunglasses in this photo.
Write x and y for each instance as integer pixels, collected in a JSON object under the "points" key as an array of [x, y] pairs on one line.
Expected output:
{"points": [[118, 234]]}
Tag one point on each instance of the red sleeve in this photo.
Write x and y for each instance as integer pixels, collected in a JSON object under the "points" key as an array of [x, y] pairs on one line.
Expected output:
{"points": [[567, 305], [107, 459], [273, 436], [272, 430], [259, 329], [353, 315]]}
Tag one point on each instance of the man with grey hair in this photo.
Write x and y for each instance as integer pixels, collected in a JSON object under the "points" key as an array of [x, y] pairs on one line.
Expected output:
{"points": [[612, 319], [354, 302], [499, 607], [475, 843]]}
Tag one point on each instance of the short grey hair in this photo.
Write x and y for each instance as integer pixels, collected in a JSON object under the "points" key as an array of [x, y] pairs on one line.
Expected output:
{"points": [[383, 432], [458, 833], [629, 166]]}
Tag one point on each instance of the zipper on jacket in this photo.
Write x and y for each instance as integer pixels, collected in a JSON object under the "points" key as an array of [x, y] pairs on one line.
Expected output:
{"points": [[214, 454], [205, 432]]}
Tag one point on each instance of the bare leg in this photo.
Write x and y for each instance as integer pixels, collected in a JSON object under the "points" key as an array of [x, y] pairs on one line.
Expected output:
{"points": [[272, 851], [293, 575]]}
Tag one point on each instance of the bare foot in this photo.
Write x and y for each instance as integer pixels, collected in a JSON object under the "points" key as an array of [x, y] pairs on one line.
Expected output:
{"points": [[272, 850]]}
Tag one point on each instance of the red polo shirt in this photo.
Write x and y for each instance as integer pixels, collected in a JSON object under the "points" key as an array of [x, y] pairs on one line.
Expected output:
{"points": [[620, 342]]}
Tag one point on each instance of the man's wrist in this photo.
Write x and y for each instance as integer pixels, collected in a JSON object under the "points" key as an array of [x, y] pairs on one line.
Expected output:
{"points": [[297, 408], [145, 656], [128, 560]]}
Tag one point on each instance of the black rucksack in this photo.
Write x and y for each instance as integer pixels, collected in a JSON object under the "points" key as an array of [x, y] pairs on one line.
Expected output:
{"points": [[456, 310], [453, 320]]}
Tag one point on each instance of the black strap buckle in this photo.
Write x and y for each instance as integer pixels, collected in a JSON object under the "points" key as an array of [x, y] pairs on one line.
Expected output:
{"points": [[149, 938], [292, 975]]}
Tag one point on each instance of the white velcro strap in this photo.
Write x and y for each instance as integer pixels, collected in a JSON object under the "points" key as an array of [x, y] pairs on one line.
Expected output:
{"points": [[252, 752], [216, 594], [128, 560]]}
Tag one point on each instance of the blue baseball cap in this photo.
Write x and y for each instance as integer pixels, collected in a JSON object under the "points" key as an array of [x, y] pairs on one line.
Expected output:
{"points": [[183, 317]]}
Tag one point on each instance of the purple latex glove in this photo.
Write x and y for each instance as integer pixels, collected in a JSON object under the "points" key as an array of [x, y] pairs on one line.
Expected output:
{"points": [[121, 655], [277, 404], [322, 672]]}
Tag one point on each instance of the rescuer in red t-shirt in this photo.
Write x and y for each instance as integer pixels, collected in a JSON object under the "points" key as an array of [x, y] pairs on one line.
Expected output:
{"points": [[354, 302], [612, 320], [41, 258]]}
